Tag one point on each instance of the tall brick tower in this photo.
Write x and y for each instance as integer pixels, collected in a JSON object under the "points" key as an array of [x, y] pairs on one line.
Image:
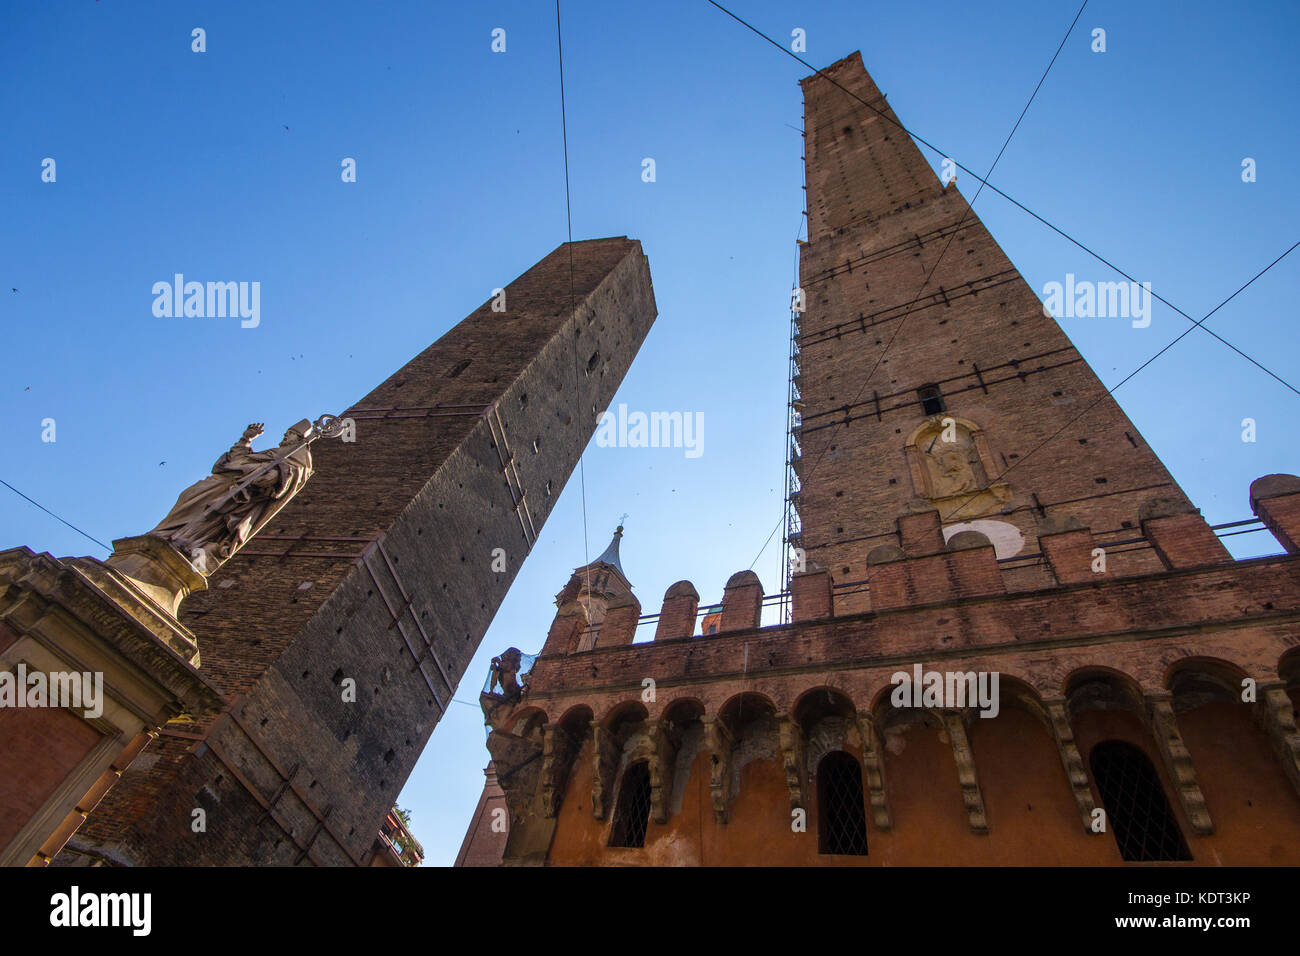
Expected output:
{"points": [[915, 316], [997, 654], [338, 636]]}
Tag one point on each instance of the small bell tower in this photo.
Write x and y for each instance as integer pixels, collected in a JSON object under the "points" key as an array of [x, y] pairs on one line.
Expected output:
{"points": [[596, 606]]}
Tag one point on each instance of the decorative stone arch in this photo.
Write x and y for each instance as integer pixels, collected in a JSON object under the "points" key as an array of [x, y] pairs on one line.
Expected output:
{"points": [[742, 709], [682, 710], [682, 735], [627, 711], [577, 720], [951, 465], [561, 742], [744, 729], [1197, 680], [618, 735], [827, 720], [1104, 688], [526, 721], [888, 725], [1051, 711]]}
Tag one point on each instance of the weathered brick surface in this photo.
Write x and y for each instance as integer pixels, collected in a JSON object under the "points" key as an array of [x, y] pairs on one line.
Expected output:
{"points": [[400, 523], [742, 602], [1278, 506], [1246, 612], [619, 626], [1184, 541], [677, 618], [1070, 555], [810, 595]]}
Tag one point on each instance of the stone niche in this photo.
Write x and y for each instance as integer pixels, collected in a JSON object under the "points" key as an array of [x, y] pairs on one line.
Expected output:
{"points": [[951, 464]]}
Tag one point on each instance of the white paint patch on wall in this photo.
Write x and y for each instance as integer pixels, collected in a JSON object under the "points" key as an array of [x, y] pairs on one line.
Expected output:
{"points": [[1005, 537]]}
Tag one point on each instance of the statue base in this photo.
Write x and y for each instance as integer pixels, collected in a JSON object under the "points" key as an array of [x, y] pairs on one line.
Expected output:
{"points": [[156, 569]]}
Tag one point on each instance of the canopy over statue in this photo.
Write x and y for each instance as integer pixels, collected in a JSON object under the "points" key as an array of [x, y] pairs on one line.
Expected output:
{"points": [[213, 518]]}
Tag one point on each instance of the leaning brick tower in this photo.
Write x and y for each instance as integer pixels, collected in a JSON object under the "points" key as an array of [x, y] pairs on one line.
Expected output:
{"points": [[997, 654], [380, 577]]}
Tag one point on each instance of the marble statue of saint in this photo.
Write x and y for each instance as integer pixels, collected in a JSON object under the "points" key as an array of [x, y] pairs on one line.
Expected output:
{"points": [[213, 518]]}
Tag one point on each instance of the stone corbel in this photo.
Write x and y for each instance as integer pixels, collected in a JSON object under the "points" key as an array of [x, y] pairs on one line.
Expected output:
{"points": [[662, 757], [518, 765], [792, 754], [1075, 773], [558, 751], [1164, 728], [966, 775], [718, 741], [873, 762], [604, 760], [1273, 711]]}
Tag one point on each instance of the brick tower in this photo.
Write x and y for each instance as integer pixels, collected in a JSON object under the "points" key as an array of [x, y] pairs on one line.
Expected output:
{"points": [[996, 654], [338, 636]]}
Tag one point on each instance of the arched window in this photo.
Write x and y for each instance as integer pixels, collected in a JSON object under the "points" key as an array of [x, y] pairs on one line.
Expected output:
{"points": [[841, 818], [632, 813], [1137, 811]]}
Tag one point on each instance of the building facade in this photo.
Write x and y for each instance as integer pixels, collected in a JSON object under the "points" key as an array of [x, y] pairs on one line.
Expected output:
{"points": [[1012, 640]]}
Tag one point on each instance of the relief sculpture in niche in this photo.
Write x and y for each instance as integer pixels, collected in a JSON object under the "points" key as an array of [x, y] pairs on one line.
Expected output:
{"points": [[950, 464]]}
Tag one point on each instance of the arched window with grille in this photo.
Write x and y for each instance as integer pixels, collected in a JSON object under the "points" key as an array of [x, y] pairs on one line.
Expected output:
{"points": [[841, 816], [632, 812], [1137, 810]]}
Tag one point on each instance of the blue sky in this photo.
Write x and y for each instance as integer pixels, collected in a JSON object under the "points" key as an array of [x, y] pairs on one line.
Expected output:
{"points": [[174, 161]]}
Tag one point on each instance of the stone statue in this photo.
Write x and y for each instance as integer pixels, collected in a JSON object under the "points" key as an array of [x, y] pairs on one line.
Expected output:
{"points": [[504, 671], [951, 465], [213, 518]]}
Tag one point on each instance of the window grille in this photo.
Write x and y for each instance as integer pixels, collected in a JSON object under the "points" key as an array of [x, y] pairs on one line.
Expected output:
{"points": [[632, 815], [1137, 811], [842, 819]]}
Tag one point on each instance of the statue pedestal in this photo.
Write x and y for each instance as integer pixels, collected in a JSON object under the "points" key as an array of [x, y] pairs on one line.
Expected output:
{"points": [[157, 569], [109, 640]]}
